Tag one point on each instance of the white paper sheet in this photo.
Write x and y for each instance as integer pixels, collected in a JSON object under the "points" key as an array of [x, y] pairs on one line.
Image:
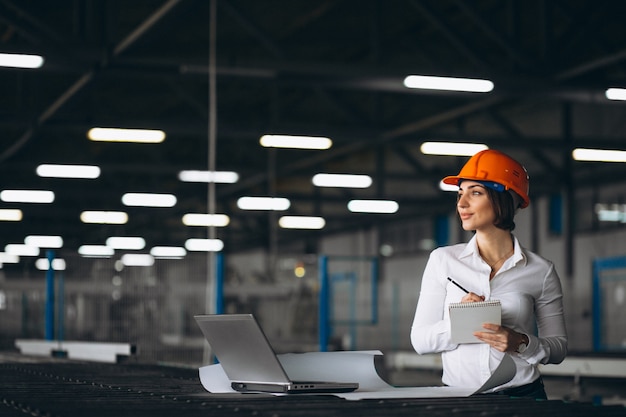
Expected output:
{"points": [[356, 366]]}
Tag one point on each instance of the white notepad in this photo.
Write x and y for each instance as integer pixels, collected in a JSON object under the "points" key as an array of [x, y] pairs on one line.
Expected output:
{"points": [[467, 318]]}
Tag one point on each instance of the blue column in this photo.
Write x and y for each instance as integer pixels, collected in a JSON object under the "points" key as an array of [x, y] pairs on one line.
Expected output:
{"points": [[219, 284], [323, 303], [442, 231]]}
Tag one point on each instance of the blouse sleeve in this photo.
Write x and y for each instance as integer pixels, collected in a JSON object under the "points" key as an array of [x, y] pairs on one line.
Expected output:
{"points": [[430, 332], [550, 344]]}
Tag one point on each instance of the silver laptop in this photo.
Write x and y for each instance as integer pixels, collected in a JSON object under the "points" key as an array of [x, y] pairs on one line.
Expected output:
{"points": [[249, 361]]}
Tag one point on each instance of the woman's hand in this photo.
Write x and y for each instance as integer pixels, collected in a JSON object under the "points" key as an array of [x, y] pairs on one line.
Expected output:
{"points": [[500, 338], [472, 298]]}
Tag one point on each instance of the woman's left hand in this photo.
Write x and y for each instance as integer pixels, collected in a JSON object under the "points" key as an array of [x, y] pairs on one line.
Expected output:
{"points": [[499, 337]]}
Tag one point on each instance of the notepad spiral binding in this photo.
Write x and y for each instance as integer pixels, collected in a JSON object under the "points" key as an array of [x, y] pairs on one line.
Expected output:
{"points": [[475, 304]]}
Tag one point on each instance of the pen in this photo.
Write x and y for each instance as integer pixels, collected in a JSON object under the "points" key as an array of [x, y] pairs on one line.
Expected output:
{"points": [[457, 284]]}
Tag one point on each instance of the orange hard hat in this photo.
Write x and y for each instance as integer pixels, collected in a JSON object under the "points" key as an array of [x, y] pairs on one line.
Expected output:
{"points": [[494, 166]]}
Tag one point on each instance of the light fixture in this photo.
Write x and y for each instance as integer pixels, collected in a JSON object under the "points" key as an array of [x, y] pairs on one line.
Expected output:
{"points": [[295, 142], [132, 259], [126, 242], [103, 134], [263, 203], [96, 251], [104, 217], [611, 212], [27, 196], [149, 200], [372, 206], [21, 250], [598, 155], [204, 245], [7, 258], [197, 219], [452, 148], [616, 94], [299, 270], [68, 171], [42, 241], [301, 222], [168, 252], [225, 177], [43, 264], [448, 84], [342, 180], [10, 215], [21, 61]]}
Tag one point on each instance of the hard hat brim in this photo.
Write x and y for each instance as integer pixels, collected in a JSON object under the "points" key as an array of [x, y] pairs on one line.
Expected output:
{"points": [[454, 180]]}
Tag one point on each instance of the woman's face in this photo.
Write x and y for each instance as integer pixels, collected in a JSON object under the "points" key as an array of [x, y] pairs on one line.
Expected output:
{"points": [[474, 206]]}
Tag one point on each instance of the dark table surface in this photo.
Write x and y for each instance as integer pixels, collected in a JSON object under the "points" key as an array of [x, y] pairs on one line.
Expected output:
{"points": [[57, 388]]}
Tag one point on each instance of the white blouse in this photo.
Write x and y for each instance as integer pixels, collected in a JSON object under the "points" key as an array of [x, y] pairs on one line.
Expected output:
{"points": [[529, 289]]}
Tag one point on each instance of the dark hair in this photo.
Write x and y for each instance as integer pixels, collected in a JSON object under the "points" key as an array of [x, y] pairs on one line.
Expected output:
{"points": [[503, 205]]}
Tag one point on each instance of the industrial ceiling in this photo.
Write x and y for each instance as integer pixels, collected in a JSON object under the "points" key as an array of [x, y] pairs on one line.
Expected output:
{"points": [[325, 68]]}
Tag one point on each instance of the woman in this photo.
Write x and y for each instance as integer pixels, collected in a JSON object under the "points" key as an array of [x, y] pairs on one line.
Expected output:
{"points": [[492, 265]]}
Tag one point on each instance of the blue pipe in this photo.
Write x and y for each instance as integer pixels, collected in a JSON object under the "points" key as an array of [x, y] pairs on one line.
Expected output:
{"points": [[323, 304], [219, 284]]}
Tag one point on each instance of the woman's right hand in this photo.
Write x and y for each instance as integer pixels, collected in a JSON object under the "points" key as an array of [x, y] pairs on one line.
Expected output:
{"points": [[472, 298]]}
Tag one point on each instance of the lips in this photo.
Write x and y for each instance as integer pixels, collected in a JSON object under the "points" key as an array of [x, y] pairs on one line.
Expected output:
{"points": [[465, 216]]}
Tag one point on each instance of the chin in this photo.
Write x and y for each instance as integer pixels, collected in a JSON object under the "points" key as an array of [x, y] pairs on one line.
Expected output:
{"points": [[467, 228]]}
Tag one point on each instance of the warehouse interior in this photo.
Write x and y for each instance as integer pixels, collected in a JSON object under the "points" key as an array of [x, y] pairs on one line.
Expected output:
{"points": [[213, 78]]}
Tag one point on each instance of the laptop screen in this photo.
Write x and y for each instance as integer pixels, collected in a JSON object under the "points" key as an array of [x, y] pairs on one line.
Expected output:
{"points": [[242, 348]]}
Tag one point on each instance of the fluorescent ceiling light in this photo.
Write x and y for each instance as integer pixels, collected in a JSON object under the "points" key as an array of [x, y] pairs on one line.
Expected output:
{"points": [[21, 250], [225, 177], [611, 212], [197, 219], [452, 148], [301, 222], [6, 258], [132, 259], [10, 215], [44, 241], [599, 155], [204, 245], [611, 216], [127, 243], [43, 264], [149, 200], [616, 94], [68, 171], [21, 61], [97, 251], [263, 203], [126, 135], [26, 196], [448, 84], [104, 217], [168, 252], [372, 206], [342, 180], [295, 142]]}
